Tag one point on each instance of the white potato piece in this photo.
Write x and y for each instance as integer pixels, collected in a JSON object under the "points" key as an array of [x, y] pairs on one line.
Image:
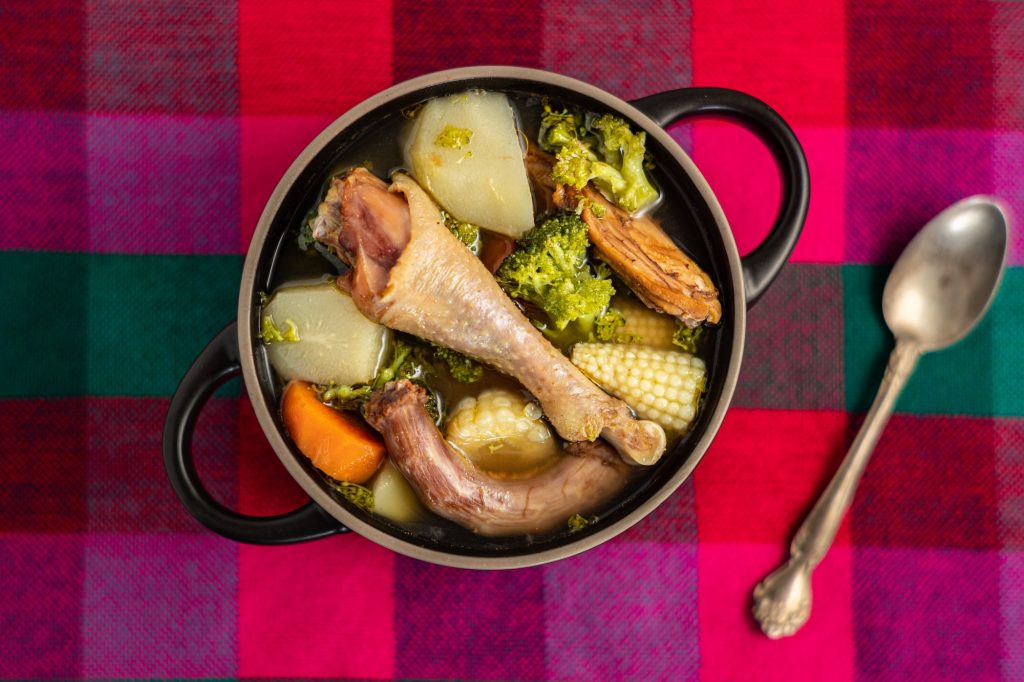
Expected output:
{"points": [[336, 343], [482, 180], [393, 497]]}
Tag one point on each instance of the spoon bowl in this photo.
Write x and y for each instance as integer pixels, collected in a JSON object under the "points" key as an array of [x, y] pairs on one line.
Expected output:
{"points": [[947, 276]]}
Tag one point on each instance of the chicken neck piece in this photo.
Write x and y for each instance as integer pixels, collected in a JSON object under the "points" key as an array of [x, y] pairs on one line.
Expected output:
{"points": [[411, 274], [584, 478]]}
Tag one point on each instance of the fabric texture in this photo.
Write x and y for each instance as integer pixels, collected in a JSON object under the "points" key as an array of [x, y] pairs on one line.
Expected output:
{"points": [[138, 145]]}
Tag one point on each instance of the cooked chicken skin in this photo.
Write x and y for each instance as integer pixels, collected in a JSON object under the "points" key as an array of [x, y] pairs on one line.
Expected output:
{"points": [[646, 258], [437, 290], [449, 485]]}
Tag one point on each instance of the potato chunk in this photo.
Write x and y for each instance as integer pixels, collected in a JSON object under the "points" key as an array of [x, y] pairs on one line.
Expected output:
{"points": [[393, 497], [335, 342], [465, 150]]}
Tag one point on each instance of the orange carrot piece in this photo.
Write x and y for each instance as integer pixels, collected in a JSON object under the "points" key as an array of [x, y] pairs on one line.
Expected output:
{"points": [[340, 445]]}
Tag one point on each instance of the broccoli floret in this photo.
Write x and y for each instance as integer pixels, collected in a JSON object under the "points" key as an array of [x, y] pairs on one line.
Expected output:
{"points": [[305, 239], [358, 495], [579, 522], [608, 325], [467, 233], [550, 270], [344, 395], [625, 150], [271, 333], [576, 164], [401, 366], [453, 138], [604, 327], [557, 128], [687, 338], [604, 151], [462, 368]]}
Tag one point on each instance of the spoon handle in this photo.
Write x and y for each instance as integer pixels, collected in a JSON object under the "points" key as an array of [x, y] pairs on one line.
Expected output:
{"points": [[782, 601], [819, 529]]}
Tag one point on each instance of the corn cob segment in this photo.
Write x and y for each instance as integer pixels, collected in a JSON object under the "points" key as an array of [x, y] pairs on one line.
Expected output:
{"points": [[643, 325], [501, 432], [661, 385]]}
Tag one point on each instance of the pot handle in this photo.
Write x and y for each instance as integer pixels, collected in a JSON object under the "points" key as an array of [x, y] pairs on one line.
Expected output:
{"points": [[217, 363], [763, 264]]}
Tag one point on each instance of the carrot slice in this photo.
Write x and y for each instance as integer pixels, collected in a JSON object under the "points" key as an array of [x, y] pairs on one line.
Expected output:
{"points": [[338, 444]]}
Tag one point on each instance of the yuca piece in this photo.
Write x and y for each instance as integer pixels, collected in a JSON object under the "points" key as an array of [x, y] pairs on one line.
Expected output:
{"points": [[661, 385], [393, 497], [465, 150], [335, 342]]}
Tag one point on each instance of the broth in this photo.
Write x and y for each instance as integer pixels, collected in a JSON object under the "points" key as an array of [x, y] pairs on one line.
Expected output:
{"points": [[380, 151]]}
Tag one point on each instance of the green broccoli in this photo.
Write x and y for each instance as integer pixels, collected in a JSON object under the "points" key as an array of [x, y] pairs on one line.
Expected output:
{"points": [[587, 329], [271, 333], [358, 495], [604, 327], [576, 164], [625, 150], [687, 338], [344, 397], [453, 138], [467, 233], [462, 368], [549, 269], [607, 327], [603, 150], [401, 366], [557, 128], [579, 522]]}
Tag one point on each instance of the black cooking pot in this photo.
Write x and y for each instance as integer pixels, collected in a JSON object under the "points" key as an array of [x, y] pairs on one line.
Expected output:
{"points": [[700, 227]]}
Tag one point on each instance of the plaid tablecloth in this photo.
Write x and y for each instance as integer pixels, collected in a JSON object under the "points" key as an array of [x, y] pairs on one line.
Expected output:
{"points": [[138, 144]]}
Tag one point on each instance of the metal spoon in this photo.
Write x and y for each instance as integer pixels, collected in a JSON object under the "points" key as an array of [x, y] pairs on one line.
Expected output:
{"points": [[940, 287]]}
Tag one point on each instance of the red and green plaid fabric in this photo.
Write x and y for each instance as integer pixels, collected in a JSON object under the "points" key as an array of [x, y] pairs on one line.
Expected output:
{"points": [[138, 143]]}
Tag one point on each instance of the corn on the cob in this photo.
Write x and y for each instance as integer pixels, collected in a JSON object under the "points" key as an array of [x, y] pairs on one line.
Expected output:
{"points": [[661, 385], [644, 325], [500, 431]]}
